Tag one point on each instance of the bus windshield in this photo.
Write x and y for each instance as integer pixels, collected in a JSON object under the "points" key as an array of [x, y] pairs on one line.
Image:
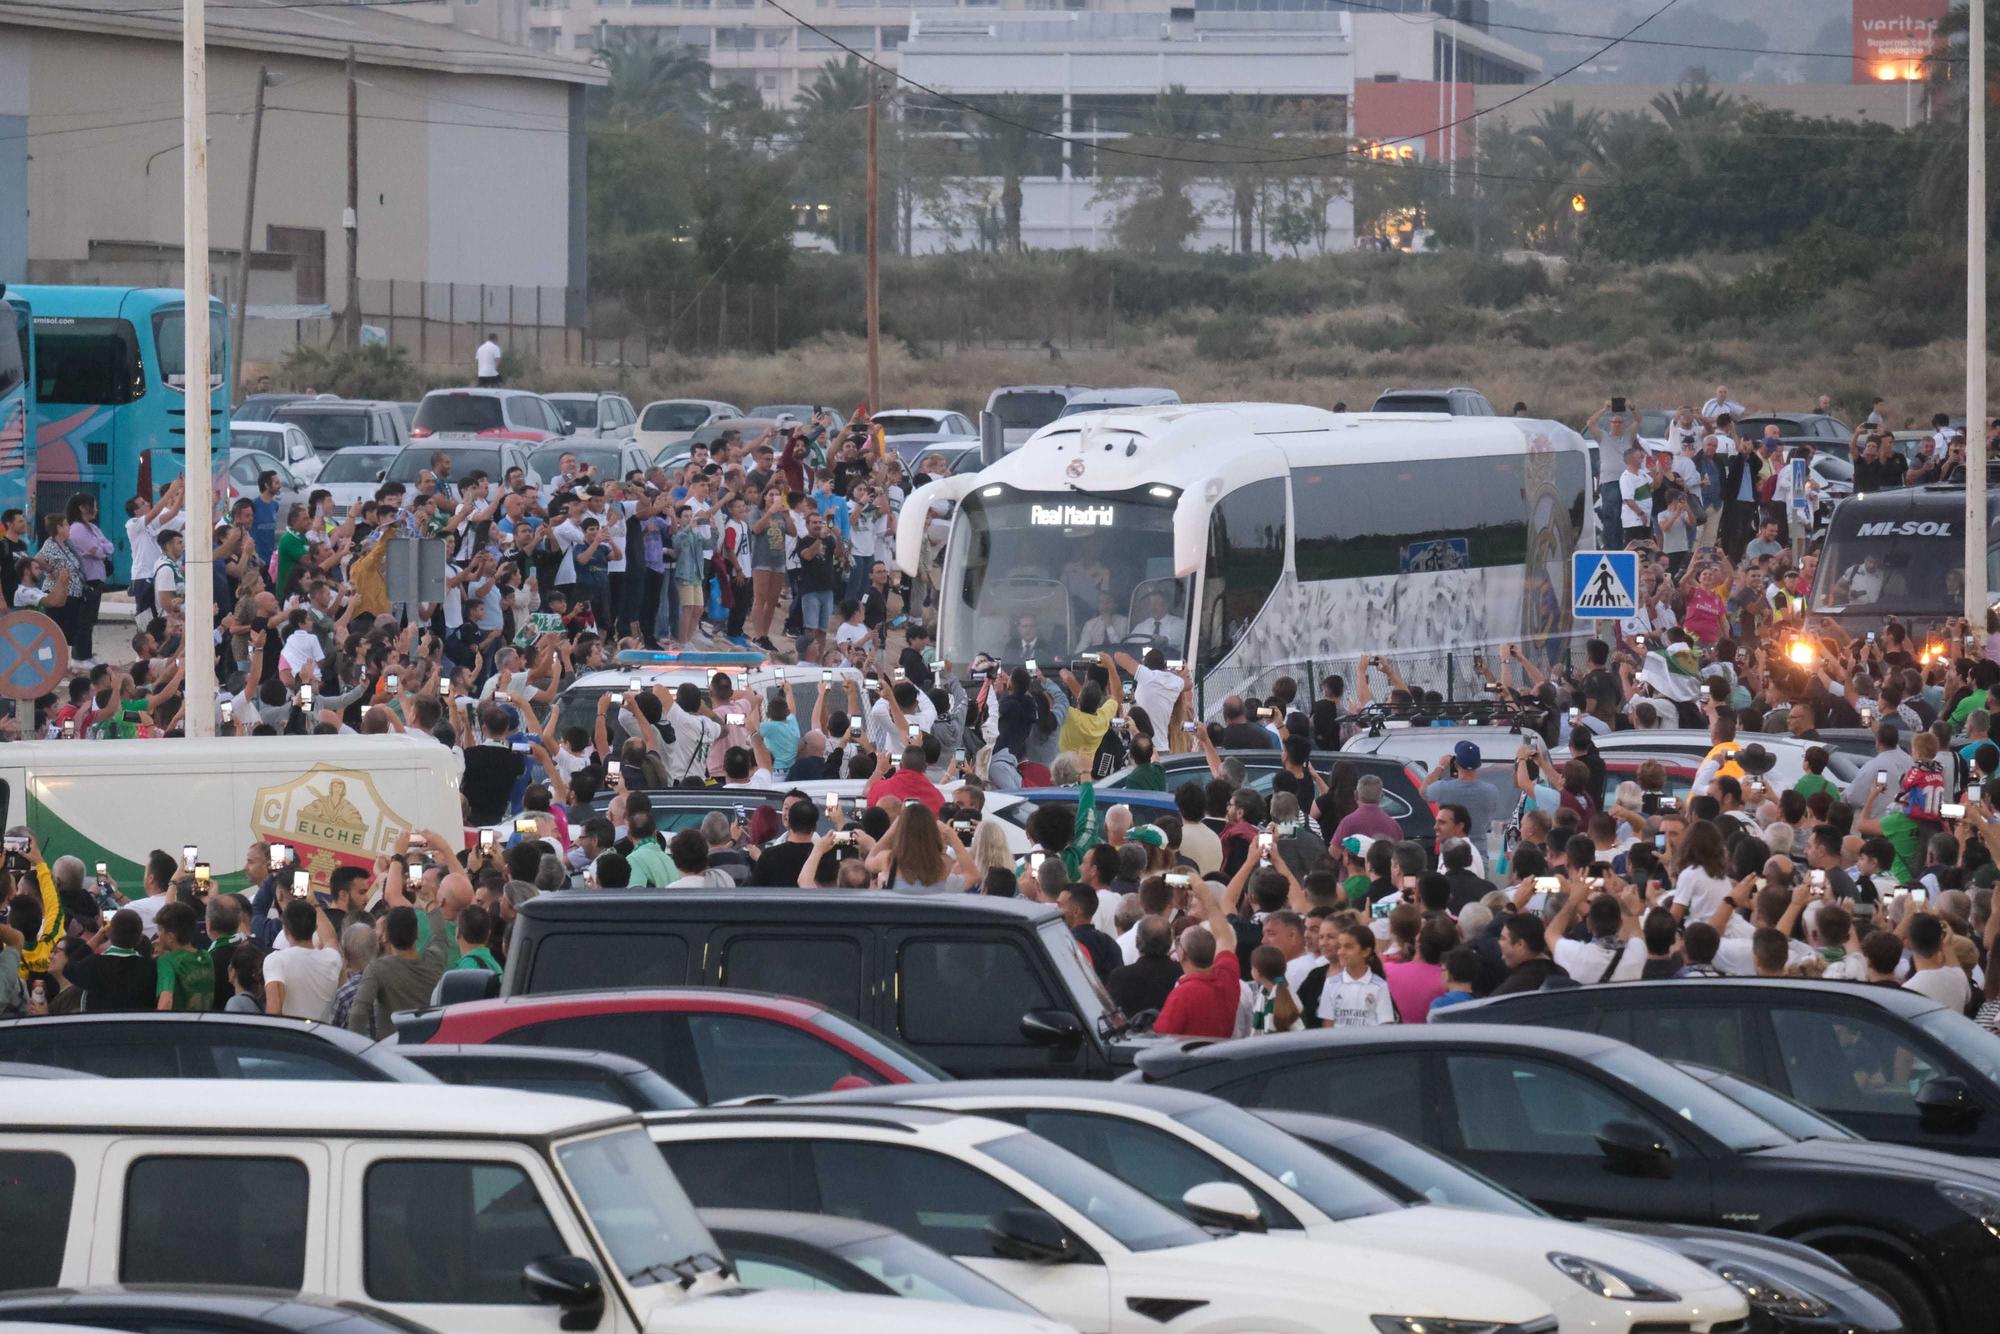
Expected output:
{"points": [[1909, 567], [1063, 572]]}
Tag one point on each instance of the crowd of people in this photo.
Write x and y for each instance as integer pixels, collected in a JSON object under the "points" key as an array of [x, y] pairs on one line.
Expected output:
{"points": [[1242, 909]]}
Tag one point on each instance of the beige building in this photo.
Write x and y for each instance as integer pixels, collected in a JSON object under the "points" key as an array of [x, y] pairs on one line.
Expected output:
{"points": [[471, 154]]}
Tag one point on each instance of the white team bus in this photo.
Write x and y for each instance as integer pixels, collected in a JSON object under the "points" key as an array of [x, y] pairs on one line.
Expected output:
{"points": [[1256, 540]]}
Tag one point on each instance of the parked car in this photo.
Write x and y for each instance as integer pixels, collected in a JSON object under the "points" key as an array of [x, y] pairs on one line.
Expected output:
{"points": [[1458, 401], [1165, 1143], [281, 440], [1694, 744], [1402, 781], [354, 474], [926, 423], [407, 410], [1117, 400], [471, 1208], [247, 465], [576, 705], [1419, 748], [668, 421], [1059, 1232], [1588, 1127], [209, 1045], [606, 416], [1024, 409], [713, 1044], [800, 413], [488, 414], [958, 458], [346, 423], [492, 457], [897, 963], [749, 428], [572, 1072], [165, 1308], [775, 1248], [1822, 431], [1792, 1289], [608, 460], [1888, 1063]]}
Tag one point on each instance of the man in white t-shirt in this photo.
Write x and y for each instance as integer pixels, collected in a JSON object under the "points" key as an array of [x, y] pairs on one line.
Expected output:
{"points": [[299, 659], [486, 361], [1156, 690], [169, 583], [301, 977], [1610, 955], [1635, 495]]}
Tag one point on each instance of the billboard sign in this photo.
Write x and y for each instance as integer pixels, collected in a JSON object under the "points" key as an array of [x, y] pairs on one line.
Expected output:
{"points": [[1892, 38]]}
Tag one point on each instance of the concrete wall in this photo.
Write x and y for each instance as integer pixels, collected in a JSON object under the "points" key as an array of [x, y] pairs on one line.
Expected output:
{"points": [[1887, 103], [443, 195], [1059, 215]]}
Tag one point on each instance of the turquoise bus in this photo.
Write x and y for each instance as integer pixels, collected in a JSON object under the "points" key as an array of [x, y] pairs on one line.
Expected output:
{"points": [[16, 377], [109, 397]]}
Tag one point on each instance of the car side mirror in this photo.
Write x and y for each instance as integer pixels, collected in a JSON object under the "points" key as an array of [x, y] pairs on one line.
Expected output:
{"points": [[1223, 1204], [1636, 1149], [568, 428], [1030, 1234], [458, 985], [570, 1282], [1946, 1106], [1052, 1028]]}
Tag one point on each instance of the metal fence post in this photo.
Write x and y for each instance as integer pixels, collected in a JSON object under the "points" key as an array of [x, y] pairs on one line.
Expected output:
{"points": [[538, 322]]}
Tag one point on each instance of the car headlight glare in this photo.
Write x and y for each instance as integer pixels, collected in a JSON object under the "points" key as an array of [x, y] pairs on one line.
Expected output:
{"points": [[1609, 1281], [1766, 1293], [1983, 1205]]}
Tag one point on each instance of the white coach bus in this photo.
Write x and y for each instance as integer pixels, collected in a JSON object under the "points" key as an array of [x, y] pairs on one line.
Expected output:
{"points": [[1255, 540]]}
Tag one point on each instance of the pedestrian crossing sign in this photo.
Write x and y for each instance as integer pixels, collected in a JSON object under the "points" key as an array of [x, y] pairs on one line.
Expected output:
{"points": [[1604, 584]]}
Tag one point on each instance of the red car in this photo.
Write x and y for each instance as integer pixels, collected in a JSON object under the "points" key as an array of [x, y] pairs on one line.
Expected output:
{"points": [[714, 1045]]}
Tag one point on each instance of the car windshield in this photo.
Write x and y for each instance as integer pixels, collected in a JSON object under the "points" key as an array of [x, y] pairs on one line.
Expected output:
{"points": [[459, 412], [1833, 468], [1334, 1191], [1134, 1221], [895, 424], [464, 461], [1794, 1118], [1968, 1041], [673, 416], [350, 467], [580, 413], [636, 1204], [799, 410], [1028, 409], [1050, 567], [1433, 1176], [329, 430], [1735, 1125], [886, 1049], [602, 462], [1413, 403], [917, 1272], [1905, 562]]}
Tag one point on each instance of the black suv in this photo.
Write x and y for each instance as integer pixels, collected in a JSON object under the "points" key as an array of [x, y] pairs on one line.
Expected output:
{"points": [[982, 987], [1890, 1064]]}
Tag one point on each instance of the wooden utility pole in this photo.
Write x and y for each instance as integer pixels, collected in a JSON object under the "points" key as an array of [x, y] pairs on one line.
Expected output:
{"points": [[243, 254], [874, 260], [351, 220]]}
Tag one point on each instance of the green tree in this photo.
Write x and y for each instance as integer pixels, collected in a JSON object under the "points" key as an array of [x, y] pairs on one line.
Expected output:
{"points": [[831, 128], [651, 80], [1157, 213], [1010, 137]]}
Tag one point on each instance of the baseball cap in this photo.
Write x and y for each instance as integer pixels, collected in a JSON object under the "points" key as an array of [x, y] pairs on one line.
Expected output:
{"points": [[1151, 836], [1467, 755], [1358, 844]]}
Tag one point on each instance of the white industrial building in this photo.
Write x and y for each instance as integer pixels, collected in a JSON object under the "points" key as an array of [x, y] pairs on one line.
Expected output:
{"points": [[471, 156], [1098, 74]]}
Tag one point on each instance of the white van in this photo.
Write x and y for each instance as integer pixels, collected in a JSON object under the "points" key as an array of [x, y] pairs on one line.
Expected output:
{"points": [[338, 800], [457, 1208]]}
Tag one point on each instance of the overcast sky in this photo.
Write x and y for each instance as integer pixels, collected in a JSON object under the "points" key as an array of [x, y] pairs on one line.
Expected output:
{"points": [[1760, 27]]}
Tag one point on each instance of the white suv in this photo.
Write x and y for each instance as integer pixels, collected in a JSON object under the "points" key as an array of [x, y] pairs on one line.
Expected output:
{"points": [[1065, 1236], [458, 1208], [1196, 1154]]}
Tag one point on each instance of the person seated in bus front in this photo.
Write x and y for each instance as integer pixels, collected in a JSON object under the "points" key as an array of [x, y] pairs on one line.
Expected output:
{"points": [[1155, 623], [1107, 626], [1864, 581], [1030, 642]]}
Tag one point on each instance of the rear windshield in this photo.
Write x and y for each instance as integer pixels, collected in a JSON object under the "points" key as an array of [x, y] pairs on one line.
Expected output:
{"points": [[673, 417], [458, 412], [464, 462], [329, 431], [1413, 403], [353, 467], [895, 426], [1028, 410]]}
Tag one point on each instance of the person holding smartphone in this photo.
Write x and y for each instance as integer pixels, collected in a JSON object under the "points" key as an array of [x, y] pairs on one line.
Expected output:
{"points": [[300, 979]]}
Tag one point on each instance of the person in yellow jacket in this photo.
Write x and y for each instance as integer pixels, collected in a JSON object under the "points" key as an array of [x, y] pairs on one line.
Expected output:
{"points": [[23, 858]]}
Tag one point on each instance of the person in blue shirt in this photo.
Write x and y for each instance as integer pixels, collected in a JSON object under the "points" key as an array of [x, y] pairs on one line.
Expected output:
{"points": [[832, 508], [264, 517]]}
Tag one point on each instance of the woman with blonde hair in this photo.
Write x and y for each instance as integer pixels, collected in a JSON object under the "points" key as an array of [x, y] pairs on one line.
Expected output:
{"points": [[989, 848]]}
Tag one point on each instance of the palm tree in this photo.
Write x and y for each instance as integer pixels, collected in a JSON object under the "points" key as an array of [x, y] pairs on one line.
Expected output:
{"points": [[651, 80], [1248, 121], [1006, 133], [832, 132], [1695, 106], [1565, 149]]}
